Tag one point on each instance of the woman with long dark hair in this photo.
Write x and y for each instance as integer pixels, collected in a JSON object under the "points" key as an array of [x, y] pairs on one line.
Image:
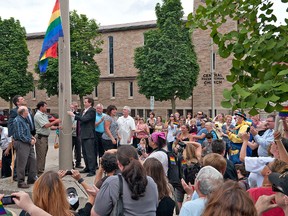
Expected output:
{"points": [[154, 169], [140, 195]]}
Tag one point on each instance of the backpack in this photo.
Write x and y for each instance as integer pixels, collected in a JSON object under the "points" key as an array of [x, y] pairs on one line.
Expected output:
{"points": [[173, 173], [190, 172]]}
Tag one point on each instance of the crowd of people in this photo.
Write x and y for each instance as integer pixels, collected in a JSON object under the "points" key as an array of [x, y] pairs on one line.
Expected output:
{"points": [[154, 166]]}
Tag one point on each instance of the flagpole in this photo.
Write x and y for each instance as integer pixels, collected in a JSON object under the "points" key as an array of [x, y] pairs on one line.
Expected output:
{"points": [[65, 135]]}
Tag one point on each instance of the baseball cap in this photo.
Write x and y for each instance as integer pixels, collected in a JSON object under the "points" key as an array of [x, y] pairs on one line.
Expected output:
{"points": [[279, 182]]}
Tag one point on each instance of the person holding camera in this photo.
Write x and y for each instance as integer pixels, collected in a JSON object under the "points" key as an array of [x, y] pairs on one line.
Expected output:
{"points": [[157, 141]]}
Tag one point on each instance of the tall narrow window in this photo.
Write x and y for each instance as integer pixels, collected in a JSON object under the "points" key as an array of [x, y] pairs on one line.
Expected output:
{"points": [[111, 55], [34, 93], [113, 90], [213, 61], [131, 93], [96, 91]]}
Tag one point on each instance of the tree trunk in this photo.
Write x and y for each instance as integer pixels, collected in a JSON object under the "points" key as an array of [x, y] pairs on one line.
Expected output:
{"points": [[173, 103], [81, 102], [10, 104]]}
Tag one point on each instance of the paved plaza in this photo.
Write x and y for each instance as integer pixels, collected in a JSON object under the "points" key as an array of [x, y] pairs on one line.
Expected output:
{"points": [[7, 186]]}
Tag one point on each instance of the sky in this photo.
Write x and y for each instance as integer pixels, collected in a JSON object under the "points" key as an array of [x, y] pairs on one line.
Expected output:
{"points": [[34, 15]]}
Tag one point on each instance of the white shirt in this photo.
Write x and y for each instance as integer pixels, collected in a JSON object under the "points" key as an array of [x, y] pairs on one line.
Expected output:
{"points": [[126, 126], [5, 140], [264, 141], [255, 165], [162, 157]]}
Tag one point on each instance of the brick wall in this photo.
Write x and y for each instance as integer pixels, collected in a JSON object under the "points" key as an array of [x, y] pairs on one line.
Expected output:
{"points": [[126, 38]]}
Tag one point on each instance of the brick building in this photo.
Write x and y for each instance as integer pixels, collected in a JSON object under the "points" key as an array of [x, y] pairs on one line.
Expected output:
{"points": [[118, 83]]}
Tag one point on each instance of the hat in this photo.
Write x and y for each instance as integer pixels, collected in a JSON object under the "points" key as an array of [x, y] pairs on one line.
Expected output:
{"points": [[280, 181], [243, 115], [73, 198]]}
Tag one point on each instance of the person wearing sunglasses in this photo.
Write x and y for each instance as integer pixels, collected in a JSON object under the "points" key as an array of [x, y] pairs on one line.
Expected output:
{"points": [[276, 166], [280, 198]]}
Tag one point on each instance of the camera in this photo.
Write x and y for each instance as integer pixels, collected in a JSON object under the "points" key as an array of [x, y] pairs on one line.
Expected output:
{"points": [[181, 147], [7, 200], [68, 172], [140, 150]]}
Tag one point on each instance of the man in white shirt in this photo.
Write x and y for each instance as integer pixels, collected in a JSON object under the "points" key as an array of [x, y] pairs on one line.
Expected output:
{"points": [[126, 127]]}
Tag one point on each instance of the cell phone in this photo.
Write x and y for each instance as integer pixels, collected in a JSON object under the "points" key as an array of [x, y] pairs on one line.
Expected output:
{"points": [[7, 200], [248, 130], [68, 172]]}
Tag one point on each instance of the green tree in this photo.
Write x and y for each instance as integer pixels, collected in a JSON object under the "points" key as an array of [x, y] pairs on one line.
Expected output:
{"points": [[258, 48], [15, 79], [85, 44], [167, 63]]}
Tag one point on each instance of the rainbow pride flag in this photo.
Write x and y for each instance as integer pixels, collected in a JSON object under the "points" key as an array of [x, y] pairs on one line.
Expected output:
{"points": [[2, 210], [50, 43], [284, 112], [172, 160]]}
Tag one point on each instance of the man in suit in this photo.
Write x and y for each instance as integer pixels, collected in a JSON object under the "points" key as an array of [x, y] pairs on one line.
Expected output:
{"points": [[87, 128], [18, 100]]}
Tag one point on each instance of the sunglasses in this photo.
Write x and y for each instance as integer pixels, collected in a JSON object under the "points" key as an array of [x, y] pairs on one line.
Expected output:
{"points": [[277, 189], [267, 164], [171, 116]]}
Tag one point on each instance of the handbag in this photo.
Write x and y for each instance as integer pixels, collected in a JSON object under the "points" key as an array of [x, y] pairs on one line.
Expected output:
{"points": [[118, 207]]}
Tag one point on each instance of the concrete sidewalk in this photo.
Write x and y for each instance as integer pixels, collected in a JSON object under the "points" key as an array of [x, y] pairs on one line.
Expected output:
{"points": [[52, 163]]}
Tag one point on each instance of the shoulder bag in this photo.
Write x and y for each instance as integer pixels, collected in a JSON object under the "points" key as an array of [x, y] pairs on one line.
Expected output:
{"points": [[119, 207]]}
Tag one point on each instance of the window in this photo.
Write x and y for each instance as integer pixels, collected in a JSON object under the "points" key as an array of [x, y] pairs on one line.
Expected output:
{"points": [[113, 90], [140, 112], [213, 61], [34, 93], [133, 112], [111, 54], [96, 91], [131, 89]]}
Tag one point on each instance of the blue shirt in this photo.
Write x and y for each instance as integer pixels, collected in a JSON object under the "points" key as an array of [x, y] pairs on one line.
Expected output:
{"points": [[21, 130], [203, 130], [193, 207], [100, 127], [264, 141]]}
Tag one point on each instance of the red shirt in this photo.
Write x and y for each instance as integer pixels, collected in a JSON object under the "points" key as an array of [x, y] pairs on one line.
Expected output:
{"points": [[255, 193]]}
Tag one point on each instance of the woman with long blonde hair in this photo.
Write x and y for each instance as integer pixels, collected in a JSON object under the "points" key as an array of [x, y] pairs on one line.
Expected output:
{"points": [[49, 194]]}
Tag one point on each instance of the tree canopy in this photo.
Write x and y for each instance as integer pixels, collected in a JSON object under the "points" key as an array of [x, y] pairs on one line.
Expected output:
{"points": [[258, 47], [85, 44], [15, 79], [167, 63]]}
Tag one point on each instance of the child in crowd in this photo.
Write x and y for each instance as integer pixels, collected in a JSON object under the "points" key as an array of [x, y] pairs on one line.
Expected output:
{"points": [[207, 144], [141, 149]]}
